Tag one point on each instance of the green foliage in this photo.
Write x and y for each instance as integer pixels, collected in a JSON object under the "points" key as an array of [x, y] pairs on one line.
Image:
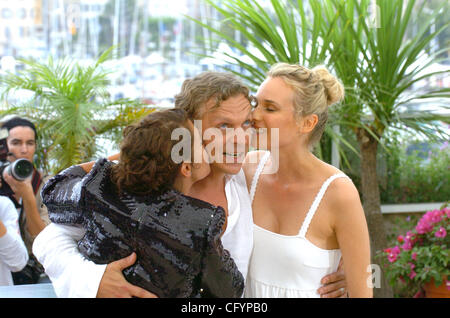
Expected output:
{"points": [[271, 33], [375, 94], [401, 224], [415, 177], [69, 107], [342, 35], [405, 175]]}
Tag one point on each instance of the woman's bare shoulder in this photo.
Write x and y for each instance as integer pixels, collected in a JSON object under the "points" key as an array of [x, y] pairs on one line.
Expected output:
{"points": [[343, 195], [344, 201]]}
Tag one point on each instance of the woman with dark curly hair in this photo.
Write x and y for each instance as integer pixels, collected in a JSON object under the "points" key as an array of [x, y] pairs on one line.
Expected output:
{"points": [[140, 205]]}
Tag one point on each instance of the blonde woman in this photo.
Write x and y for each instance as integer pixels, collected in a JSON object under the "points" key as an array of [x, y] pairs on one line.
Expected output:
{"points": [[308, 214]]}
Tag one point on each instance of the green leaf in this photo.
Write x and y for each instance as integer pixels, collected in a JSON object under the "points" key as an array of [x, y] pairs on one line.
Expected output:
{"points": [[67, 98]]}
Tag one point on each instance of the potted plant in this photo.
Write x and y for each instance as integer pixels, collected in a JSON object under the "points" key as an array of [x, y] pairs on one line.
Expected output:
{"points": [[422, 256]]}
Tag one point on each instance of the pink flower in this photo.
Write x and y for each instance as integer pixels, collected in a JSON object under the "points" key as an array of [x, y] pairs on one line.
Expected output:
{"points": [[410, 236], [392, 257], [447, 283], [393, 253], [400, 239], [412, 274], [430, 218], [436, 216], [407, 246], [412, 266], [441, 232], [396, 250], [447, 211], [424, 226], [414, 256]]}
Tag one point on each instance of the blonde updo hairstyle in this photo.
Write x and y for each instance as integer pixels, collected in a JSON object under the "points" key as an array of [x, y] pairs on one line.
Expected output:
{"points": [[314, 91]]}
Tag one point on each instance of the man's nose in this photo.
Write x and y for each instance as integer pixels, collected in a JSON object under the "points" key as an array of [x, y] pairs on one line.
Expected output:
{"points": [[241, 142], [237, 135], [24, 148], [256, 115]]}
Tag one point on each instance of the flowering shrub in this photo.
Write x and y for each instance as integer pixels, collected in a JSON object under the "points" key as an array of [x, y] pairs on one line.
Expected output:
{"points": [[421, 254]]}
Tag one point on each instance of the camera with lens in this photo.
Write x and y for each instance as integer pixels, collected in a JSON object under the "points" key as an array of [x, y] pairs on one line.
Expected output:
{"points": [[21, 169]]}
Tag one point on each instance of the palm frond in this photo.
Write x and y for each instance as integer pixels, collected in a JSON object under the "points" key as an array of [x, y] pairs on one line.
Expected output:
{"points": [[68, 102]]}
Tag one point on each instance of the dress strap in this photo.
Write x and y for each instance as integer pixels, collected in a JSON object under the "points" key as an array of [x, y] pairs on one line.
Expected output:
{"points": [[259, 169], [316, 203]]}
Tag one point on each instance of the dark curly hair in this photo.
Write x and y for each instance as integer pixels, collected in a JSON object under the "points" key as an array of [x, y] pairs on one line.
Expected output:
{"points": [[145, 164]]}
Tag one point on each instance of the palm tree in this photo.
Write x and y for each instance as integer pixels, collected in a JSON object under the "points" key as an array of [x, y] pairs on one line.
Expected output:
{"points": [[373, 58], [71, 108], [378, 63], [272, 37]]}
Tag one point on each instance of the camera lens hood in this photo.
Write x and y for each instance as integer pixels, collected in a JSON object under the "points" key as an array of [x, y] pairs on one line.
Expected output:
{"points": [[20, 169]]}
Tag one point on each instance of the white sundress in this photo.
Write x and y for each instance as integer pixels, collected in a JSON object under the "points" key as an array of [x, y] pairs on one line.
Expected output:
{"points": [[286, 266]]}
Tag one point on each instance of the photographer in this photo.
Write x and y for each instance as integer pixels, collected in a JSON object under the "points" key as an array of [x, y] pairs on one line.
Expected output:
{"points": [[33, 217]]}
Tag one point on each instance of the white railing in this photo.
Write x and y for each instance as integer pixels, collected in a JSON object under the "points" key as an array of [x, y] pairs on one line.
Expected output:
{"points": [[410, 207]]}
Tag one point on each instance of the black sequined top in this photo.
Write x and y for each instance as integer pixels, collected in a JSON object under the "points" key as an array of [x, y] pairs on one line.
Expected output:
{"points": [[176, 237]]}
